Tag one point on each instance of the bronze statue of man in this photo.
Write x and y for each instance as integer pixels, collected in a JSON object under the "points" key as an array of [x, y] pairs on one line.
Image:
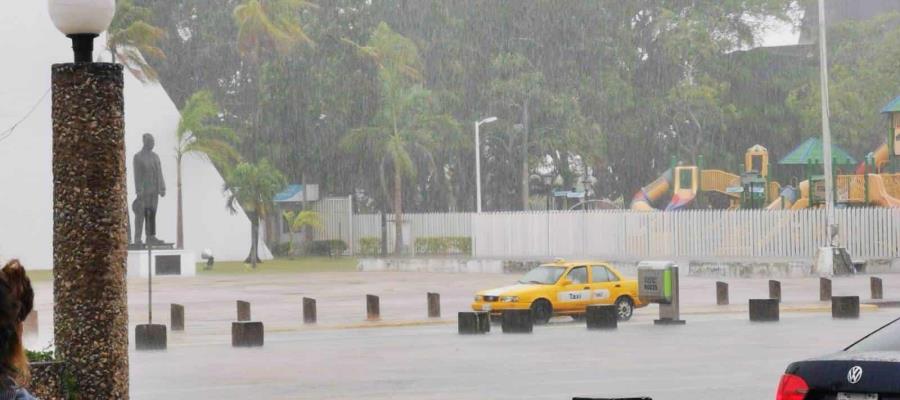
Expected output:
{"points": [[150, 186]]}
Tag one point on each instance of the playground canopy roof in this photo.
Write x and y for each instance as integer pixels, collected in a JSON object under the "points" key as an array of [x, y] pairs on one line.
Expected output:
{"points": [[811, 151], [892, 107]]}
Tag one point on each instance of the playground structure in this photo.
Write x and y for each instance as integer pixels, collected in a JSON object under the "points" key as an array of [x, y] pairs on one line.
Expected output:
{"points": [[875, 182], [695, 187]]}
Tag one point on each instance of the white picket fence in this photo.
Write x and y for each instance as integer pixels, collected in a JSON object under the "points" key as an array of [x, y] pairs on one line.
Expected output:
{"points": [[868, 233]]}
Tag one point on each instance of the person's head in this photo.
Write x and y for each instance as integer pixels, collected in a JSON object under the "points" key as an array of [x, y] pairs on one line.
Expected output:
{"points": [[148, 141], [16, 302], [13, 273], [13, 362]]}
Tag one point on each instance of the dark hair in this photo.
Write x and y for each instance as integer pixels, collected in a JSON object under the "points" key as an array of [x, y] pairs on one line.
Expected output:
{"points": [[12, 363], [16, 302], [15, 276]]}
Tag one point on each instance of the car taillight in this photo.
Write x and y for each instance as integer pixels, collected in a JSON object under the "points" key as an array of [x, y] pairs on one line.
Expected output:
{"points": [[792, 387]]}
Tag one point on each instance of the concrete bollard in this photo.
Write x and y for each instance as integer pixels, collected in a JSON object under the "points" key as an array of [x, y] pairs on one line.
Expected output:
{"points": [[150, 337], [600, 316], [473, 322], [877, 288], [764, 310], [434, 305], [373, 308], [517, 321], [824, 289], [845, 307], [775, 289], [309, 311], [484, 321], [247, 334], [31, 324], [243, 311], [722, 293], [176, 317]]}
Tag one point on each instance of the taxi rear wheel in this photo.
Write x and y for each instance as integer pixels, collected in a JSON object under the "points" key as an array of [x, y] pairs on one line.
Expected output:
{"points": [[624, 308], [541, 311]]}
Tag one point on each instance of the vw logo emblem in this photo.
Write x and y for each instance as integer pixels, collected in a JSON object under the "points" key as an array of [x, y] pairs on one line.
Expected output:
{"points": [[854, 375]]}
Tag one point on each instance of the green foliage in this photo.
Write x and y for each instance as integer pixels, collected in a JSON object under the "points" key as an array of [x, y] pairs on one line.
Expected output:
{"points": [[330, 248], [370, 246], [281, 250], [201, 130], [448, 245], [134, 41], [409, 124], [45, 355], [270, 25], [253, 186], [300, 220], [864, 76], [611, 88]]}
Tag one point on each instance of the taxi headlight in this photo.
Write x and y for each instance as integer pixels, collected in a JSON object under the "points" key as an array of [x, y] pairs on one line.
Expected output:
{"points": [[509, 299]]}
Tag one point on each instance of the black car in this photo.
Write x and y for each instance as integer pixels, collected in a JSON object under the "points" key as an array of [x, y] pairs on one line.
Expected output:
{"points": [[867, 370]]}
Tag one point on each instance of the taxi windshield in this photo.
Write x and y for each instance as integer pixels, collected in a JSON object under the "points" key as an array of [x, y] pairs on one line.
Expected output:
{"points": [[543, 275]]}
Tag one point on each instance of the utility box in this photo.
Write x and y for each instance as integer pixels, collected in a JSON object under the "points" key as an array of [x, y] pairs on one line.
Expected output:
{"points": [[658, 283], [655, 285]]}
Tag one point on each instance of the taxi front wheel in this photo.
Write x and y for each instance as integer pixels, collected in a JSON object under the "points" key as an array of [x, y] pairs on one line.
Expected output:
{"points": [[541, 311]]}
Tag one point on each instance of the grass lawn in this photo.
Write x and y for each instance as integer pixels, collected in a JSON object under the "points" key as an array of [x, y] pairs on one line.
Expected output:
{"points": [[40, 275], [283, 265]]}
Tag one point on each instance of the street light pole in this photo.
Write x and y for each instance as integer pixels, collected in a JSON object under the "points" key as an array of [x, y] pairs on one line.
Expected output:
{"points": [[478, 160], [826, 128]]}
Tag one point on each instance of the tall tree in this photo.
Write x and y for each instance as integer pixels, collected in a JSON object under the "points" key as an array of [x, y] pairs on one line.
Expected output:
{"points": [[268, 30], [516, 86], [254, 187], [201, 131], [409, 122]]}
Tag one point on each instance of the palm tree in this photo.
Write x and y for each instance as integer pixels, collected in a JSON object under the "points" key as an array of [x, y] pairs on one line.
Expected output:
{"points": [[201, 132], [268, 28], [253, 186], [270, 25], [405, 127], [132, 38], [299, 221]]}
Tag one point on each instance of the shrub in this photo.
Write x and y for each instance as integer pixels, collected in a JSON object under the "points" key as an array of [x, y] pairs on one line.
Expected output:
{"points": [[40, 356], [325, 247], [281, 249], [370, 246], [444, 245]]}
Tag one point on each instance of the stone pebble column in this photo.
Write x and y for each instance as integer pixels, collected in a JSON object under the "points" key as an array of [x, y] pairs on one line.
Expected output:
{"points": [[89, 227]]}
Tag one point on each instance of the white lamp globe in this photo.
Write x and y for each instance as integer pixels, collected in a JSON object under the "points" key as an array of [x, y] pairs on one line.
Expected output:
{"points": [[82, 17]]}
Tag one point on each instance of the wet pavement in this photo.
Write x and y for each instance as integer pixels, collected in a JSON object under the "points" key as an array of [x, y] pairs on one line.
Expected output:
{"points": [[712, 357], [718, 354]]}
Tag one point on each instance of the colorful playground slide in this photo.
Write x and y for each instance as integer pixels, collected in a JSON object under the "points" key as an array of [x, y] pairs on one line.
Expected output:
{"points": [[803, 200], [685, 190], [644, 199], [787, 199], [878, 193], [684, 184]]}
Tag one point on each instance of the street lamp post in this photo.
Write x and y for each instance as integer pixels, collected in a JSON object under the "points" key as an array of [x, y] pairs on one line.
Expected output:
{"points": [[89, 207], [826, 142], [478, 160]]}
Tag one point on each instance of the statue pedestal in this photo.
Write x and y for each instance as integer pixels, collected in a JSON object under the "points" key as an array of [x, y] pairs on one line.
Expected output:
{"points": [[166, 262]]}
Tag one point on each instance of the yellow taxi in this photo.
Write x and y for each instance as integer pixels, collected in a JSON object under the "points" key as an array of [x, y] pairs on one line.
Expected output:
{"points": [[563, 288]]}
